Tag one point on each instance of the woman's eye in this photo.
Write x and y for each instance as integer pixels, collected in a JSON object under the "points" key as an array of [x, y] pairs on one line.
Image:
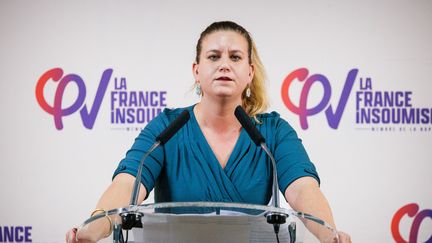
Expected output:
{"points": [[235, 58], [213, 57]]}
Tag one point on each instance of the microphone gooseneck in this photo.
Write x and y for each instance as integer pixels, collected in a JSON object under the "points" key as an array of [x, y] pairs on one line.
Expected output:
{"points": [[161, 139], [131, 220], [259, 140], [276, 219]]}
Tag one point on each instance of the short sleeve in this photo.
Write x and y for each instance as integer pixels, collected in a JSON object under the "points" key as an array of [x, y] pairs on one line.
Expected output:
{"points": [[291, 157], [154, 162]]}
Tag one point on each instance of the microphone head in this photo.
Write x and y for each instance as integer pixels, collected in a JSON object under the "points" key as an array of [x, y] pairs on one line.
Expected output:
{"points": [[245, 121], [173, 128]]}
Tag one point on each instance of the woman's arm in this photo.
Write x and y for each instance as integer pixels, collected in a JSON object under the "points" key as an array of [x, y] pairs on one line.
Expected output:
{"points": [[304, 195], [117, 195]]}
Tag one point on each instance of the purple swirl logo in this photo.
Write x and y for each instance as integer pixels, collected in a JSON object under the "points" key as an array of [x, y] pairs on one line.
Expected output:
{"points": [[303, 110], [411, 210], [57, 110]]}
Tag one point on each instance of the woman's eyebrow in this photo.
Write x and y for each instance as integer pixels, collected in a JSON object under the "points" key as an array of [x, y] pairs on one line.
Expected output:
{"points": [[230, 51], [213, 50], [236, 51]]}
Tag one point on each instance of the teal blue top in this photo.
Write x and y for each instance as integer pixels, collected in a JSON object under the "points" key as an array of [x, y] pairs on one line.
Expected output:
{"points": [[186, 169]]}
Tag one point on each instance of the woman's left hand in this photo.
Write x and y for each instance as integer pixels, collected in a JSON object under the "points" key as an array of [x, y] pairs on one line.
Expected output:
{"points": [[344, 237]]}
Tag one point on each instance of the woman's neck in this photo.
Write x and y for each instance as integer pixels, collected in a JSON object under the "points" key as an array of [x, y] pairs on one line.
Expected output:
{"points": [[217, 116]]}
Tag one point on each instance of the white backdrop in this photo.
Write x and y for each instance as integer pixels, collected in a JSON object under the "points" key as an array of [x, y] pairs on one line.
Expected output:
{"points": [[50, 179]]}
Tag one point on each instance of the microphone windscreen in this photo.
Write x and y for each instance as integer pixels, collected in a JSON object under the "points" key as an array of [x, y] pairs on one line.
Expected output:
{"points": [[173, 128], [245, 121]]}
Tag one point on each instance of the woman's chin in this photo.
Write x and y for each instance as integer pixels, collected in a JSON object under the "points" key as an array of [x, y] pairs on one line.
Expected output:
{"points": [[225, 95]]}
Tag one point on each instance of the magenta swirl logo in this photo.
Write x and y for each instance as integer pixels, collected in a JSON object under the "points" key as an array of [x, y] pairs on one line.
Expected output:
{"points": [[303, 110], [411, 210], [57, 110]]}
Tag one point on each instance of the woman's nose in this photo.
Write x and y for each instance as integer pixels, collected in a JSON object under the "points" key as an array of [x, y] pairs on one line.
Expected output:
{"points": [[225, 64]]}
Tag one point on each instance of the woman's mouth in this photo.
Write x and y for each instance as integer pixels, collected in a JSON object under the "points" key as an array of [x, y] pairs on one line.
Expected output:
{"points": [[224, 78]]}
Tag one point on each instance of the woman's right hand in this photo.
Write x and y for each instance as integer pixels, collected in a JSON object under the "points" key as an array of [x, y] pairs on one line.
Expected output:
{"points": [[117, 194], [71, 237]]}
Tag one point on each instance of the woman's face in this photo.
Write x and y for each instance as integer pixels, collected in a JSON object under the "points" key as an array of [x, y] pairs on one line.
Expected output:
{"points": [[224, 70]]}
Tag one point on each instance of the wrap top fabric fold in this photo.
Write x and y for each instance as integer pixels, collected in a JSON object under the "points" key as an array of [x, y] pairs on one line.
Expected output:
{"points": [[186, 169]]}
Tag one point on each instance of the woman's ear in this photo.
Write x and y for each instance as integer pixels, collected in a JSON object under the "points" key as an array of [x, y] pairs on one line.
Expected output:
{"points": [[195, 69], [251, 72]]}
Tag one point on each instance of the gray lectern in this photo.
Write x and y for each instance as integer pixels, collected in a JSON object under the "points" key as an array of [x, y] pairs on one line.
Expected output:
{"points": [[211, 222]]}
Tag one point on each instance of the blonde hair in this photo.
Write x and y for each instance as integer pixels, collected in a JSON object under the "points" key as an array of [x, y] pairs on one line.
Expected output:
{"points": [[258, 101]]}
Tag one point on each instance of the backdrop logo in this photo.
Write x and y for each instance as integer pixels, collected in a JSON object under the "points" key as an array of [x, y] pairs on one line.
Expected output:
{"points": [[131, 107], [412, 210], [376, 110], [302, 110], [389, 107], [15, 234], [128, 108], [56, 110]]}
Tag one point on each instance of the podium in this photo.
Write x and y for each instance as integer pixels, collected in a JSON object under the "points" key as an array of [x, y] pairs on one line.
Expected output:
{"points": [[209, 222]]}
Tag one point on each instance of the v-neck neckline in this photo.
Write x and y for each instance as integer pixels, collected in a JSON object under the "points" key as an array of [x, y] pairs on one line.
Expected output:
{"points": [[207, 145]]}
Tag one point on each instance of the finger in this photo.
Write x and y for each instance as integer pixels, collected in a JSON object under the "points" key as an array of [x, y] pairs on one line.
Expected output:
{"points": [[343, 237], [68, 236], [71, 236]]}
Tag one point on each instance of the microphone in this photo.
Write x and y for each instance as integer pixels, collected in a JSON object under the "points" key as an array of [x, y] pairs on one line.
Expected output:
{"points": [[172, 129], [272, 217], [130, 220], [244, 120], [259, 140]]}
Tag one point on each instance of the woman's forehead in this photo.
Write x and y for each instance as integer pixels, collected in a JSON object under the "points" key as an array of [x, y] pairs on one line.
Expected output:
{"points": [[221, 40]]}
